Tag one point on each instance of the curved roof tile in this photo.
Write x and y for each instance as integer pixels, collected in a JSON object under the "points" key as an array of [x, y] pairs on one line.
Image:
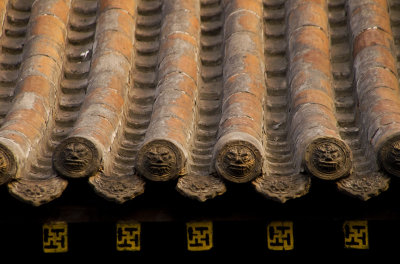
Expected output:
{"points": [[204, 93]]}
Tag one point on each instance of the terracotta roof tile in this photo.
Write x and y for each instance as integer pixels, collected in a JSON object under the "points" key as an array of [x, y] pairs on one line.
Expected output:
{"points": [[33, 107], [378, 92], [203, 93]]}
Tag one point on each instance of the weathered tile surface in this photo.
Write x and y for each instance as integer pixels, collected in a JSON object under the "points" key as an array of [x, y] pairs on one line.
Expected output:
{"points": [[205, 92]]}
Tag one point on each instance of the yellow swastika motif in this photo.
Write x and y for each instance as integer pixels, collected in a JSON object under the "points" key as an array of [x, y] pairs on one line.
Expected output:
{"points": [[199, 236], [128, 236], [55, 237], [356, 234], [280, 235]]}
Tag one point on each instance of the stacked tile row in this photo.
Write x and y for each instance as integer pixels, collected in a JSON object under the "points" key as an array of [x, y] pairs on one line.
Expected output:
{"points": [[200, 92]]}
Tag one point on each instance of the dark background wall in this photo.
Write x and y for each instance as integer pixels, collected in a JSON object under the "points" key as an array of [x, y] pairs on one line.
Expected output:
{"points": [[240, 218]]}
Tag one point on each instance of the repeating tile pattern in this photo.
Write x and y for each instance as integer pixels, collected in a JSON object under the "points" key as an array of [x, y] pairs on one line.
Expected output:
{"points": [[271, 93]]}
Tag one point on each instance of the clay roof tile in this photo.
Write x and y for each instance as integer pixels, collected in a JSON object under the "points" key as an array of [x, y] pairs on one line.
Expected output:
{"points": [[202, 92]]}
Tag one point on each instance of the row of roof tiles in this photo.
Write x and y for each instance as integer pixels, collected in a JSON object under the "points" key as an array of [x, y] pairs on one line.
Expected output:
{"points": [[203, 92]]}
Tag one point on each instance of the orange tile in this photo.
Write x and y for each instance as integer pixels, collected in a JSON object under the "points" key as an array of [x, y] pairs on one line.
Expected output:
{"points": [[49, 27], [308, 15], [127, 5], [115, 41], [372, 37], [116, 20]]}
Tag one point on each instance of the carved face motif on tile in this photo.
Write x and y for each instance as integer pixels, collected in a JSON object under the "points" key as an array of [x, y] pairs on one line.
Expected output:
{"points": [[389, 155], [8, 166], [394, 155], [3, 163], [328, 157], [238, 160], [76, 156], [160, 160]]}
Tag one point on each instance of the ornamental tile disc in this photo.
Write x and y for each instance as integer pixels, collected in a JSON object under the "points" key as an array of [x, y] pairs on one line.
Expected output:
{"points": [[389, 156], [8, 166], [76, 157], [328, 158], [239, 161], [159, 160]]}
